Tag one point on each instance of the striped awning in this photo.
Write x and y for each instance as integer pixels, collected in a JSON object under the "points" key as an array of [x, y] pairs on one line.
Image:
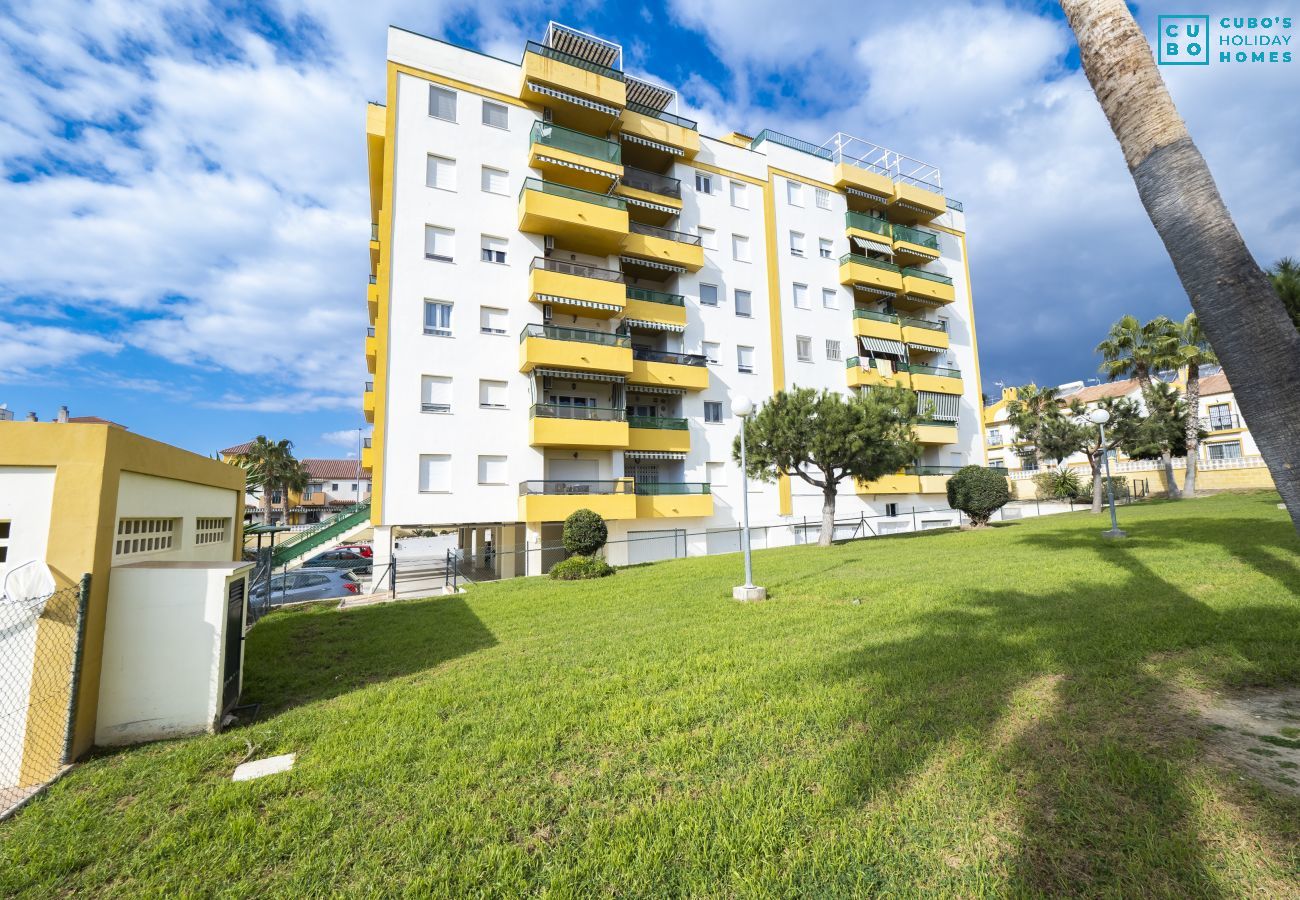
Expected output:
{"points": [[915, 208], [652, 389], [880, 345], [921, 298], [930, 405], [579, 376], [572, 165], [570, 301], [653, 263], [648, 205], [660, 326], [652, 454], [868, 289], [646, 94], [573, 98], [879, 243], [646, 142], [924, 347], [870, 195]]}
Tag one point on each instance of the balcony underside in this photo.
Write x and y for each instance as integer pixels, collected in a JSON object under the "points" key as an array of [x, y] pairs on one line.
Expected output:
{"points": [[581, 226], [372, 302], [368, 406], [577, 295], [570, 79], [911, 204], [852, 273], [675, 253], [670, 134], [879, 187], [939, 384], [907, 253], [578, 355], [935, 435], [928, 290], [566, 167], [649, 207], [655, 312], [663, 374], [926, 337], [371, 353]]}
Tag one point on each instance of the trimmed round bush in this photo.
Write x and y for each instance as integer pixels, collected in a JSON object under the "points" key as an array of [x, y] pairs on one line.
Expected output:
{"points": [[978, 492], [576, 568], [584, 533]]}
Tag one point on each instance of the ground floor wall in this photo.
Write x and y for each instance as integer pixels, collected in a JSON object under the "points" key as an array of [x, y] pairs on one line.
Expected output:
{"points": [[1245, 474]]}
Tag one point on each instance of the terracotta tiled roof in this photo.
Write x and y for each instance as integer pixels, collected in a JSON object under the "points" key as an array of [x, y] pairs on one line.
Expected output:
{"points": [[1102, 391], [94, 420], [331, 468], [1215, 384], [238, 449]]}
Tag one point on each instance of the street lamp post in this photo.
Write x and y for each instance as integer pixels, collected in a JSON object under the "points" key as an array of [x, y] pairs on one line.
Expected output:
{"points": [[743, 407], [1100, 417]]}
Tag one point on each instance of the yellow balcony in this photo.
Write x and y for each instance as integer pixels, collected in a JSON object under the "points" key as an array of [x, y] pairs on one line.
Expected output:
{"points": [[891, 484], [687, 371], [374, 248], [574, 348], [936, 379], [928, 285], [676, 248], [868, 323], [934, 433], [368, 402], [879, 186], [934, 484], [869, 228], [549, 67], [912, 245], [655, 198], [371, 349], [658, 434], [573, 158], [871, 273], [372, 300], [367, 458], [911, 203], [581, 220], [929, 334], [662, 128], [574, 289], [862, 372], [555, 501], [674, 501], [552, 425], [655, 306], [376, 130]]}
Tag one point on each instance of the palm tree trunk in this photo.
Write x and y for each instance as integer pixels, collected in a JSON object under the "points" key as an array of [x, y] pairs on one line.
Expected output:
{"points": [[1167, 460], [1095, 462], [828, 515], [1193, 428], [1240, 312]]}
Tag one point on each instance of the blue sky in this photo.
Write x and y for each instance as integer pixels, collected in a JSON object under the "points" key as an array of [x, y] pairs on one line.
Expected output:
{"points": [[185, 199]]}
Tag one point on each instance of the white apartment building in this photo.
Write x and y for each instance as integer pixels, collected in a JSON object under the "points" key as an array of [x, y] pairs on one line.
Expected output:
{"points": [[569, 285]]}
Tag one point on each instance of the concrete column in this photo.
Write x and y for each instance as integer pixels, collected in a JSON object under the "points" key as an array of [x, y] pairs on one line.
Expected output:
{"points": [[382, 544], [533, 542]]}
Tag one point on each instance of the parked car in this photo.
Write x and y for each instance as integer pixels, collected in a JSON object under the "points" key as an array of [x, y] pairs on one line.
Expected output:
{"points": [[307, 584], [339, 559], [364, 549]]}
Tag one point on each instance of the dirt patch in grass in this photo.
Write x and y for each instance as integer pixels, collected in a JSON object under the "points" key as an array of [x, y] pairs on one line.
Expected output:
{"points": [[1255, 730]]}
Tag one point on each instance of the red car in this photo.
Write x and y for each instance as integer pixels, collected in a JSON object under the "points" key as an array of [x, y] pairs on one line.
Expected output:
{"points": [[364, 549]]}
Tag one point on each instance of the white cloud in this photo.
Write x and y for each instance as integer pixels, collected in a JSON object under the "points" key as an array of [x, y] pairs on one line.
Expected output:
{"points": [[346, 438], [37, 346]]}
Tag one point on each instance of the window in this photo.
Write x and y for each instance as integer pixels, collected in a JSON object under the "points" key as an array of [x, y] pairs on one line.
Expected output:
{"points": [[1029, 461], [435, 473], [710, 350], [439, 243], [352, 486], [211, 531], [4, 539], [493, 250], [708, 238], [491, 470], [713, 411], [136, 536], [995, 437], [440, 173], [745, 359], [442, 103], [493, 181], [435, 394], [796, 243], [1220, 416], [739, 195], [801, 296], [823, 198], [830, 298], [437, 318], [708, 294], [1228, 450], [743, 299], [891, 510], [491, 320], [703, 183], [803, 348], [793, 193], [832, 349], [716, 473], [334, 486], [492, 394], [740, 248], [496, 114], [825, 248]]}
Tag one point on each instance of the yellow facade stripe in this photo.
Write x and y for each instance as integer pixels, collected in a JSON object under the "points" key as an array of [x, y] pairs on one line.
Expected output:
{"points": [[953, 231], [460, 86], [774, 319], [705, 167], [803, 179], [382, 282]]}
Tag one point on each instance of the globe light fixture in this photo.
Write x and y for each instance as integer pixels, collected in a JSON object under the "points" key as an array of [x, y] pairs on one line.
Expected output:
{"points": [[1099, 417], [743, 407]]}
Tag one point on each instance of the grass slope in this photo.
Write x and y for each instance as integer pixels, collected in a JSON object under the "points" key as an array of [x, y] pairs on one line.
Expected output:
{"points": [[999, 714]]}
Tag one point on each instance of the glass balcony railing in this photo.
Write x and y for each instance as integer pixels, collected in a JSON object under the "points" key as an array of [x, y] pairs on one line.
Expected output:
{"points": [[667, 356], [577, 413], [868, 261], [572, 193], [585, 335], [595, 486], [868, 223], [374, 231], [664, 116], [575, 61], [562, 138], [565, 267], [916, 369], [666, 234], [923, 323], [875, 316], [374, 280], [928, 276], [636, 293], [662, 488], [916, 236], [370, 387], [644, 180], [933, 470], [866, 362], [662, 423], [793, 143]]}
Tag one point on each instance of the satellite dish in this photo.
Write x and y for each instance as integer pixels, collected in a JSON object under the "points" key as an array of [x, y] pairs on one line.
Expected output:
{"points": [[28, 585]]}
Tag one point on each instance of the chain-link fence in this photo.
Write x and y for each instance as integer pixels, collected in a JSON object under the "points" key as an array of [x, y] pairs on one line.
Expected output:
{"points": [[41, 642]]}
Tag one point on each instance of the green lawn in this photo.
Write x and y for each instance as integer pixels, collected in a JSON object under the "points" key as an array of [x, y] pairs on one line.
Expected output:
{"points": [[982, 713]]}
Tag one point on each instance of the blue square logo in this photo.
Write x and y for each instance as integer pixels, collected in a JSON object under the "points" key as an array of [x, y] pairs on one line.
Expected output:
{"points": [[1183, 40]]}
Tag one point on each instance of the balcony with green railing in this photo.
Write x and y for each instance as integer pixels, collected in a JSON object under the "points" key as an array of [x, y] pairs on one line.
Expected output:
{"points": [[927, 287], [674, 500], [667, 423], [649, 296], [870, 225], [578, 219], [875, 275], [870, 323], [557, 137], [578, 349], [922, 333], [915, 243], [658, 434]]}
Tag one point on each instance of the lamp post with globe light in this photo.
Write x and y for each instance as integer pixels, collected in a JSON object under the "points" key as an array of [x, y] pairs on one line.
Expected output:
{"points": [[1100, 417], [743, 407]]}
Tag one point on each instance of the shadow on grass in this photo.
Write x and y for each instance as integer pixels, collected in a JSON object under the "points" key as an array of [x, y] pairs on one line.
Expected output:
{"points": [[1055, 697], [302, 656]]}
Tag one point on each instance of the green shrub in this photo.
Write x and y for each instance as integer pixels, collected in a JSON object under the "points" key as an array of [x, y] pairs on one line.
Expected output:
{"points": [[579, 567], [1061, 484], [584, 533], [978, 492]]}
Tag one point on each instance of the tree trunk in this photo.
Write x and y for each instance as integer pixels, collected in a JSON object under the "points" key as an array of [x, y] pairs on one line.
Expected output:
{"points": [[1167, 460], [266, 505], [828, 515], [1241, 314], [1097, 487], [1193, 428]]}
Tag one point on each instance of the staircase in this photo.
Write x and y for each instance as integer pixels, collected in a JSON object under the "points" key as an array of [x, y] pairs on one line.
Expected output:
{"points": [[304, 542]]}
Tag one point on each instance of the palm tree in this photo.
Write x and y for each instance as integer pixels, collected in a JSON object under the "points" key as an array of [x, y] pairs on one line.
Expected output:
{"points": [[1285, 276], [273, 465], [1029, 412], [1193, 351], [1242, 316]]}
